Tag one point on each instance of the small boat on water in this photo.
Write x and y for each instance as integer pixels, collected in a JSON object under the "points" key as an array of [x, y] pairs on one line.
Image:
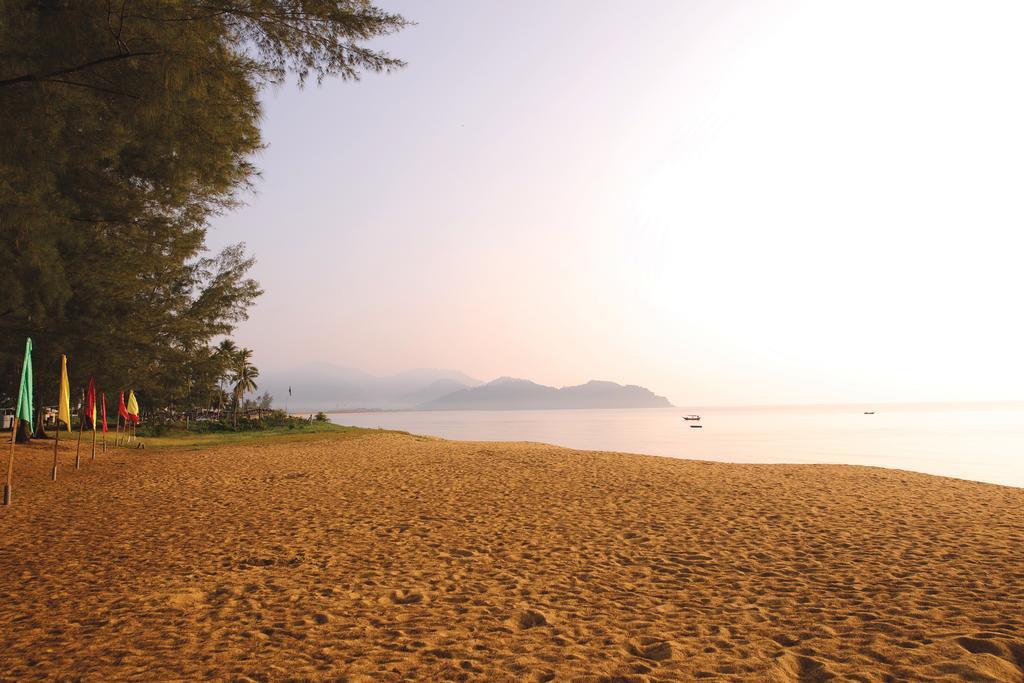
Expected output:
{"points": [[691, 417], [869, 412], [696, 426]]}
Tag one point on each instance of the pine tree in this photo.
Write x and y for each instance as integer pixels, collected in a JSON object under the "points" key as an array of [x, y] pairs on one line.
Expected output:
{"points": [[124, 128]]}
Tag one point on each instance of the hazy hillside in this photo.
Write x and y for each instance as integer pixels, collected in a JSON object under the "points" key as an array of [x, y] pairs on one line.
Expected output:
{"points": [[508, 393], [432, 391], [323, 386]]}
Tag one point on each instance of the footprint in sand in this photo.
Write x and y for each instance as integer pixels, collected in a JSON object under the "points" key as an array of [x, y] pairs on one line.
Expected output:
{"points": [[794, 668], [786, 640], [404, 597], [651, 649], [530, 618], [992, 644]]}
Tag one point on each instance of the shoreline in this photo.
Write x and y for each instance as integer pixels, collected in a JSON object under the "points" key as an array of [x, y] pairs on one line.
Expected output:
{"points": [[206, 441], [943, 444]]}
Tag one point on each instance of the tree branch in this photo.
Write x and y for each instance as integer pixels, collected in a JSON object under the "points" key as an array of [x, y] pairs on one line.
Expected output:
{"points": [[35, 78], [109, 91]]}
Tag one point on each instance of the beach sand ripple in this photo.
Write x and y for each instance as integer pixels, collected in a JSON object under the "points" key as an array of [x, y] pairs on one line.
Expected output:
{"points": [[386, 557]]}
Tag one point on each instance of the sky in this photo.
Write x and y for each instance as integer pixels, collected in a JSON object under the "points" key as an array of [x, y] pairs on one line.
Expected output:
{"points": [[726, 202]]}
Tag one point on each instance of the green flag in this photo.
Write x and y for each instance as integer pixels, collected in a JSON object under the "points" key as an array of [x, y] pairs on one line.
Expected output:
{"points": [[24, 407]]}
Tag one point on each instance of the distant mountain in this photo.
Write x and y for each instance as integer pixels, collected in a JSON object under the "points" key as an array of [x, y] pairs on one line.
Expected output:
{"points": [[323, 386], [507, 393], [432, 391]]}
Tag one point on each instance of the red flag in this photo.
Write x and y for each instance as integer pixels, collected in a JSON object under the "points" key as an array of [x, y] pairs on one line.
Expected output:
{"points": [[104, 411], [122, 410], [90, 402]]}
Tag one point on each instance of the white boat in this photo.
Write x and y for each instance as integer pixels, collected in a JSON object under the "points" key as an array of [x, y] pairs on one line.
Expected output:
{"points": [[691, 417]]}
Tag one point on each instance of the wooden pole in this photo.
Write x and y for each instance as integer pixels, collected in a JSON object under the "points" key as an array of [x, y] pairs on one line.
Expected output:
{"points": [[104, 442], [117, 432], [93, 458], [56, 445], [10, 463], [78, 450]]}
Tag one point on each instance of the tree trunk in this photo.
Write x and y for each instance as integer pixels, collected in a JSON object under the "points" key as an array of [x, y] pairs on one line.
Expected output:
{"points": [[40, 429], [24, 432]]}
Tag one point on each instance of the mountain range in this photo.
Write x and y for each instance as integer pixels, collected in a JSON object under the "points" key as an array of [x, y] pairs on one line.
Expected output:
{"points": [[323, 386], [508, 393]]}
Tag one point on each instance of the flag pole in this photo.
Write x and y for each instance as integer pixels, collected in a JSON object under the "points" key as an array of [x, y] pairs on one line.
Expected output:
{"points": [[93, 458], [56, 444], [117, 431], [10, 463], [81, 425]]}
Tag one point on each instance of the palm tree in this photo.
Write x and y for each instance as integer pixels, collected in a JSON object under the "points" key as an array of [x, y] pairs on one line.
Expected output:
{"points": [[225, 356], [244, 376], [226, 349]]}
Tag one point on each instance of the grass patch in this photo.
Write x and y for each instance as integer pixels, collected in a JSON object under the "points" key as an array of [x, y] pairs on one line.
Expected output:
{"points": [[179, 438]]}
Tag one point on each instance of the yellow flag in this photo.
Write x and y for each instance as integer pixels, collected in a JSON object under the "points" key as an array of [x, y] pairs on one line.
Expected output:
{"points": [[133, 406], [64, 401]]}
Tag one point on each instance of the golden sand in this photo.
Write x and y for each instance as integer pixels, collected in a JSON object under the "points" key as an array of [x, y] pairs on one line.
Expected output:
{"points": [[387, 557]]}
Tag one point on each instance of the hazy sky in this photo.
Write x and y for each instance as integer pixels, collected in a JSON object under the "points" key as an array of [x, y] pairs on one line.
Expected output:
{"points": [[726, 202]]}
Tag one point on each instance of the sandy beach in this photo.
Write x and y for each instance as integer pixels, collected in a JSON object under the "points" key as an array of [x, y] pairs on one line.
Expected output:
{"points": [[386, 557]]}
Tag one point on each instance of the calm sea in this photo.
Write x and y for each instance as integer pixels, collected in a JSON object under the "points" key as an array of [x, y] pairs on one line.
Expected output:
{"points": [[984, 442]]}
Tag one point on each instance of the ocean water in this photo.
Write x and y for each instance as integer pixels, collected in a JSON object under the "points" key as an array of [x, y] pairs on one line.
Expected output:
{"points": [[983, 442]]}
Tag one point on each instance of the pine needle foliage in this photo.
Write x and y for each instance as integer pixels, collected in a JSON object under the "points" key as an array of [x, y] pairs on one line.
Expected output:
{"points": [[125, 127]]}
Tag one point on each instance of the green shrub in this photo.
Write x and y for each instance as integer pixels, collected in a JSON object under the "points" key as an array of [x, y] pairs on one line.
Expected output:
{"points": [[276, 419]]}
